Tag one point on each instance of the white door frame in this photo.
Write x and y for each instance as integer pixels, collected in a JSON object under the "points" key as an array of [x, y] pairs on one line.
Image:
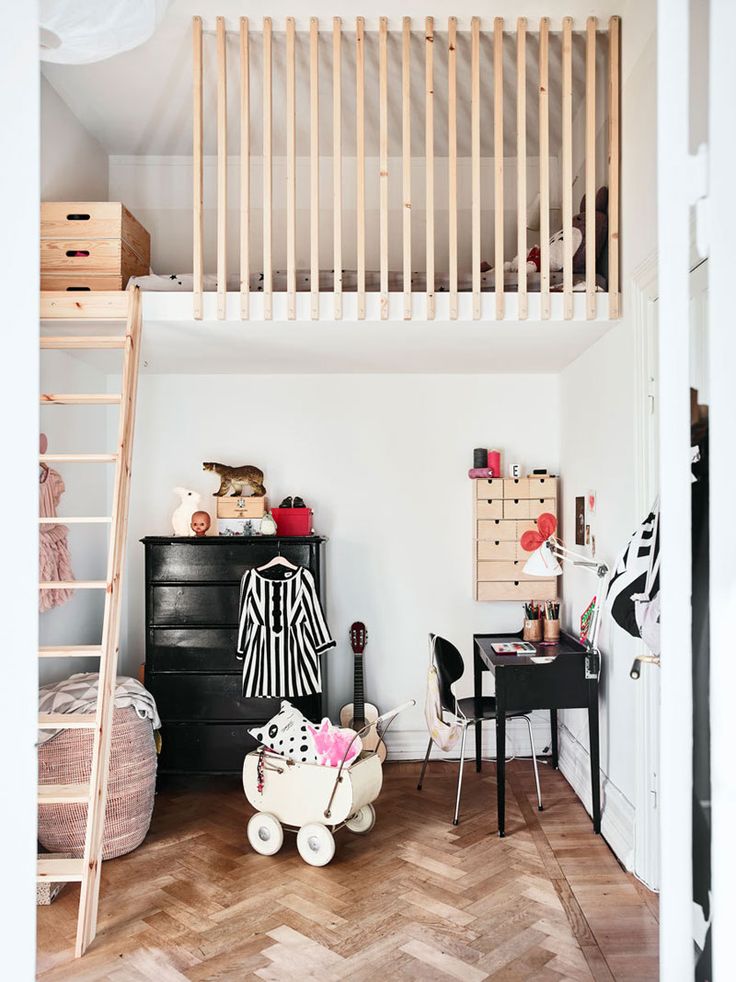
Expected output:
{"points": [[646, 799]]}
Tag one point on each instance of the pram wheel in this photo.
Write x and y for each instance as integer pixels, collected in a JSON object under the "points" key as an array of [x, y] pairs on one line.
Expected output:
{"points": [[265, 833], [316, 844], [363, 820]]}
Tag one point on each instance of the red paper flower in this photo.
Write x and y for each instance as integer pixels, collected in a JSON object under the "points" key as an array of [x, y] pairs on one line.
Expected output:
{"points": [[546, 526]]}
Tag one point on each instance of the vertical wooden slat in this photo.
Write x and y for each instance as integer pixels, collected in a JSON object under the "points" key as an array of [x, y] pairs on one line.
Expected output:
{"points": [[337, 161], [567, 166], [383, 161], [267, 170], [360, 159], [614, 164], [590, 237], [314, 165], [221, 168], [290, 168], [521, 202], [406, 160], [452, 158], [244, 169], [544, 165], [198, 172], [429, 157], [498, 160], [475, 159]]}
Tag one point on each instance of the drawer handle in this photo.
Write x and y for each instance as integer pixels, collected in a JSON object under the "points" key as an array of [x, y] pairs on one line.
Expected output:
{"points": [[78, 289], [516, 582], [497, 542], [516, 501], [496, 521], [81, 217], [77, 253]]}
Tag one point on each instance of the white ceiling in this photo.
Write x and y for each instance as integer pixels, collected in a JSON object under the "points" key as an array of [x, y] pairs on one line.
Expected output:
{"points": [[139, 102]]}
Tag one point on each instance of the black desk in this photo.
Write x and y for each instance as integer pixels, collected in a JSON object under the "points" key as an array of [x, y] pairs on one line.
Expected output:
{"points": [[524, 684]]}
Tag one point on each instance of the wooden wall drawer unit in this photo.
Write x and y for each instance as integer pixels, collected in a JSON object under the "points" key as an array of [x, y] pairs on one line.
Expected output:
{"points": [[504, 510], [192, 595], [91, 245], [248, 506]]}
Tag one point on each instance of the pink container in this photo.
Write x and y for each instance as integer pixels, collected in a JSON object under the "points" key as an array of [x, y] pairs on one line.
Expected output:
{"points": [[494, 462]]}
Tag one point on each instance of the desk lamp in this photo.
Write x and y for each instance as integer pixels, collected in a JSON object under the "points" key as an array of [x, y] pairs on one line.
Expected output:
{"points": [[547, 552]]}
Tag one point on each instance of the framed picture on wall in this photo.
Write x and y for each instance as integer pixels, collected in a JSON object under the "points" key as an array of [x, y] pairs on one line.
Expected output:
{"points": [[580, 521]]}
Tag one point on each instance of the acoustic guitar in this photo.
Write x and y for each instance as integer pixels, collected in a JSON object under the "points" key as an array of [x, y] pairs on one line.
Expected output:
{"points": [[359, 713]]}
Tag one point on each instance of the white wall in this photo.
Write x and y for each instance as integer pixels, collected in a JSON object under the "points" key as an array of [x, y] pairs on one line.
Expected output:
{"points": [[77, 429], [597, 452], [383, 460], [73, 163]]}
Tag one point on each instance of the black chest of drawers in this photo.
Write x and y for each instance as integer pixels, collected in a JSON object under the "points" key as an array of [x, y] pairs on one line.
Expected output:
{"points": [[192, 593]]}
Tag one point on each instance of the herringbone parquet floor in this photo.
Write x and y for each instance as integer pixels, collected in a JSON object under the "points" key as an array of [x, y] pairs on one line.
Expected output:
{"points": [[415, 899]]}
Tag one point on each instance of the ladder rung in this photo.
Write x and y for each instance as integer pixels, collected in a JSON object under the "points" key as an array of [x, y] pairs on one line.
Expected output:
{"points": [[75, 519], [70, 651], [73, 585], [94, 305], [63, 794], [66, 721], [77, 341], [78, 458], [80, 398], [55, 870]]}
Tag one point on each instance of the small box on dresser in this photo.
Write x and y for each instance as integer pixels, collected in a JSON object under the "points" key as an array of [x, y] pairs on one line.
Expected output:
{"points": [[503, 510]]}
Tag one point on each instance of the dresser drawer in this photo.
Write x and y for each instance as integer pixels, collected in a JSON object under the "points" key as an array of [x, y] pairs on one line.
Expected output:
{"points": [[195, 560], [207, 697], [489, 509], [192, 649], [495, 550], [511, 570], [531, 589], [195, 604], [497, 530], [488, 487], [515, 508], [542, 487], [538, 506], [516, 487]]}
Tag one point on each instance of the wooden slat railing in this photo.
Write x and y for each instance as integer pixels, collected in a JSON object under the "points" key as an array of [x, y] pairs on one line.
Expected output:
{"points": [[567, 136]]}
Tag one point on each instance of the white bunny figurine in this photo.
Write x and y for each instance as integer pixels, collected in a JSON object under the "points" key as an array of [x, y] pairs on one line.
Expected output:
{"points": [[181, 520]]}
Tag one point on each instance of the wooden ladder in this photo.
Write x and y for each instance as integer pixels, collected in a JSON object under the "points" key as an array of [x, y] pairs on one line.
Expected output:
{"points": [[123, 306]]}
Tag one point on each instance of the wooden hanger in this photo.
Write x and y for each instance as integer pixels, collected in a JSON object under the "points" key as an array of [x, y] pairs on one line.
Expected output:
{"points": [[277, 561]]}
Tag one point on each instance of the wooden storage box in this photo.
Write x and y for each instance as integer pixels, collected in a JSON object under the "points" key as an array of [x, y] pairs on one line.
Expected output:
{"points": [[488, 487], [521, 590], [497, 530], [495, 549], [542, 487], [516, 487], [91, 245], [242, 507], [489, 509], [538, 506], [516, 508]]}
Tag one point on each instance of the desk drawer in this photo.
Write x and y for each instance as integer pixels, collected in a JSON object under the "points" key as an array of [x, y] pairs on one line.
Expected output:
{"points": [[496, 549], [202, 561], [492, 509], [488, 487], [515, 508], [197, 605], [538, 506], [531, 589], [512, 570], [192, 649], [542, 487], [497, 530]]}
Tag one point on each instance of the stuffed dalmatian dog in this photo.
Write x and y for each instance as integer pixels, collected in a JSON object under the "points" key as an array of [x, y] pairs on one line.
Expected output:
{"points": [[290, 734]]}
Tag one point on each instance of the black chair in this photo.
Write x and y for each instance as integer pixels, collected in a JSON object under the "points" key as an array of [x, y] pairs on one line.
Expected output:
{"points": [[450, 667]]}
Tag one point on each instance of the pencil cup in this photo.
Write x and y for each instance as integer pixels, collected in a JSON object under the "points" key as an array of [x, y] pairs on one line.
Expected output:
{"points": [[533, 630], [551, 630]]}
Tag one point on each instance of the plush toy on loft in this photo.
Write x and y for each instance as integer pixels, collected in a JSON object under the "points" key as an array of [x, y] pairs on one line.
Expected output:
{"points": [[237, 481], [556, 246]]}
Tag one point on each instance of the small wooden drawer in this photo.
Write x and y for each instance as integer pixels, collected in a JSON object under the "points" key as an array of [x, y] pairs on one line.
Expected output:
{"points": [[488, 487], [516, 487], [496, 530], [542, 487], [531, 589], [244, 507], [80, 284], [516, 508], [512, 570], [489, 509], [94, 220], [91, 257], [496, 549], [538, 506]]}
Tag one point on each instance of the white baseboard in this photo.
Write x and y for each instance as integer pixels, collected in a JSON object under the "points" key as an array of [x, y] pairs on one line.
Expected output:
{"points": [[618, 815], [412, 744]]}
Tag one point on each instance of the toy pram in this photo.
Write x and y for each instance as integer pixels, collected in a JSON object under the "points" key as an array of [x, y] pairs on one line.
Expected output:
{"points": [[313, 800]]}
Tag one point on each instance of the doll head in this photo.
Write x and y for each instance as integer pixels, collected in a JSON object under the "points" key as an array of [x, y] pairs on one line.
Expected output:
{"points": [[201, 522]]}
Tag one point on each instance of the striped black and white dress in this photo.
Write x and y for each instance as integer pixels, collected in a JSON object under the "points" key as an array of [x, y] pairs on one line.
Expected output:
{"points": [[282, 632]]}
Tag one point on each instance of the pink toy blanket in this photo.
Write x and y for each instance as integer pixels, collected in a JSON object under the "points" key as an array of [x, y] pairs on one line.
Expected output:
{"points": [[290, 734]]}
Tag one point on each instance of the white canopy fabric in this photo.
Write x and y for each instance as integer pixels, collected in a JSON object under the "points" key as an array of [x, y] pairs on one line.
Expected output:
{"points": [[77, 32]]}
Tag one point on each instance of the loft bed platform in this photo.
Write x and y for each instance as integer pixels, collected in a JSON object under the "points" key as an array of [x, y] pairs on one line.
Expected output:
{"points": [[174, 343]]}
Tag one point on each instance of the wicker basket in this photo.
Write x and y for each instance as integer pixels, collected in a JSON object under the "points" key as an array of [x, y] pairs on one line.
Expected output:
{"points": [[66, 759]]}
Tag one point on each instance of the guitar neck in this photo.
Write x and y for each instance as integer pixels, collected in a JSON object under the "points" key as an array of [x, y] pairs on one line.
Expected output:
{"points": [[358, 689]]}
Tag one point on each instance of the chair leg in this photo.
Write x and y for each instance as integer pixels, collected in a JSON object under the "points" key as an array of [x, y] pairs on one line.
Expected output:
{"points": [[534, 765], [456, 819], [424, 765]]}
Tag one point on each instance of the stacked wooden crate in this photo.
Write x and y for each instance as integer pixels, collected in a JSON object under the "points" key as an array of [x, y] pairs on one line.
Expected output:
{"points": [[504, 509], [91, 245]]}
